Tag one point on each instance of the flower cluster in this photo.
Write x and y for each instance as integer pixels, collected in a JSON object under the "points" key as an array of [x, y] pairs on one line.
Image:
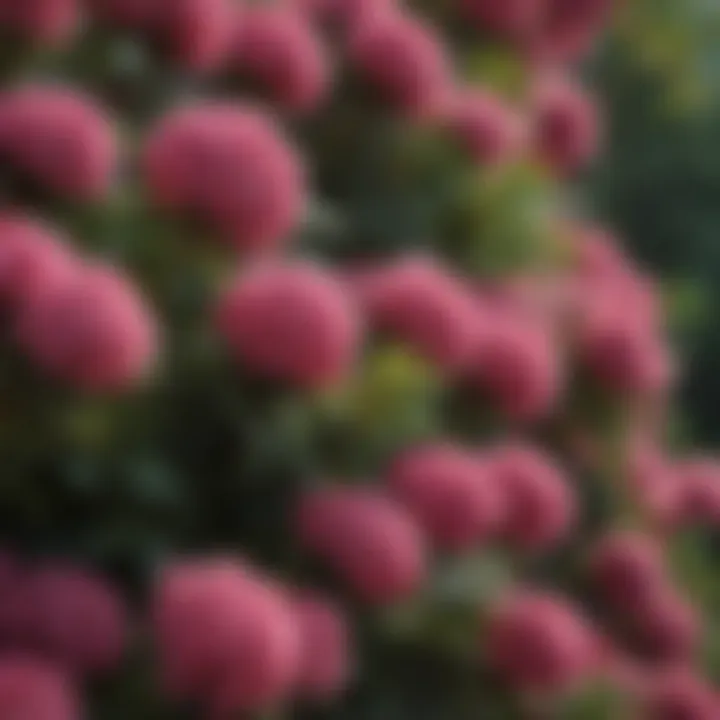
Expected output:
{"points": [[547, 356], [60, 626]]}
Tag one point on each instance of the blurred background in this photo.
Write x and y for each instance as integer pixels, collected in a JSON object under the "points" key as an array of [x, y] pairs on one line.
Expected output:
{"points": [[210, 457], [658, 181]]}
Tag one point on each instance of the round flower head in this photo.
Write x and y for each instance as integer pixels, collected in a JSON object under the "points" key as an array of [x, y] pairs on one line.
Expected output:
{"points": [[487, 129], [32, 258], [515, 364], [194, 34], [277, 49], [605, 275], [698, 481], [325, 648], [620, 351], [420, 304], [345, 16], [654, 484], [449, 492], [627, 569], [77, 619], [678, 693], [32, 690], [403, 61], [91, 330], [566, 131], [226, 637], [59, 140], [39, 22], [368, 540], [230, 167], [290, 322], [667, 631], [540, 505], [514, 20], [539, 642], [569, 27], [125, 14]]}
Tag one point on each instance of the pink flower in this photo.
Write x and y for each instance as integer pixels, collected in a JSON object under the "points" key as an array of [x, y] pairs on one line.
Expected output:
{"points": [[668, 630], [195, 34], [419, 303], [620, 350], [567, 129], [278, 50], [291, 322], [40, 21], [59, 139], [92, 330], [539, 642], [32, 258], [516, 365], [325, 648], [404, 62], [368, 540], [229, 166], [226, 637], [510, 19], [627, 569], [570, 26], [540, 505], [699, 489], [32, 690], [654, 485], [77, 618], [550, 30], [450, 493], [490, 131], [345, 15], [678, 693], [604, 274], [126, 14]]}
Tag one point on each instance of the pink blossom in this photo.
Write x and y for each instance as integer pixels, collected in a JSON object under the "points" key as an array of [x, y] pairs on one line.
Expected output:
{"points": [[92, 330], [226, 637], [278, 50], [541, 506], [367, 539], [78, 618], [450, 493], [42, 22], [419, 303], [59, 139], [32, 690], [404, 62], [291, 322], [539, 642], [229, 166]]}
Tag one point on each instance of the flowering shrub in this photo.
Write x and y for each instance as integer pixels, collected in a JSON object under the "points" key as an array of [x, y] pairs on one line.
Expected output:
{"points": [[318, 396]]}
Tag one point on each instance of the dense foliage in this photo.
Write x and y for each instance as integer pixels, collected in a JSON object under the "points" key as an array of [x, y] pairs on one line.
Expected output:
{"points": [[320, 397]]}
